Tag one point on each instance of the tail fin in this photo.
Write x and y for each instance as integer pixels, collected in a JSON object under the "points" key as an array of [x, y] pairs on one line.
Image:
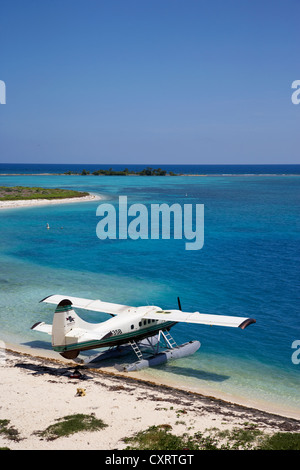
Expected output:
{"points": [[64, 320]]}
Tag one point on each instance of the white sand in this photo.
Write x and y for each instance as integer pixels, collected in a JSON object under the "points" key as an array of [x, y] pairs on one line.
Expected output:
{"points": [[46, 202], [35, 392]]}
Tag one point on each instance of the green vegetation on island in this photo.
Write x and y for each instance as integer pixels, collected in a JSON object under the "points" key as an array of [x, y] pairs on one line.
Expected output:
{"points": [[246, 437], [148, 171], [17, 193]]}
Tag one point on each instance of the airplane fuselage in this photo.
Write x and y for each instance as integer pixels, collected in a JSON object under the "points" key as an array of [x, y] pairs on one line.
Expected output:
{"points": [[118, 330]]}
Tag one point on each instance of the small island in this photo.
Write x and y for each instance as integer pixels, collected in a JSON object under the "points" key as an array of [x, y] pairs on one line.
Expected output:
{"points": [[17, 193], [148, 171]]}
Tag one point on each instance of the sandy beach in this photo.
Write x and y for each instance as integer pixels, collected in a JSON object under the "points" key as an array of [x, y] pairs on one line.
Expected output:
{"points": [[36, 391], [46, 202]]}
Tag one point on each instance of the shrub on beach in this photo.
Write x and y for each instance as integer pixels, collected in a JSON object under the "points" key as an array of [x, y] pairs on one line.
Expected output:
{"points": [[71, 424]]}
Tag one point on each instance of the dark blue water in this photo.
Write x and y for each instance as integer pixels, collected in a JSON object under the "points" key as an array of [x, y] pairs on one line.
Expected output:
{"points": [[249, 266], [34, 168]]}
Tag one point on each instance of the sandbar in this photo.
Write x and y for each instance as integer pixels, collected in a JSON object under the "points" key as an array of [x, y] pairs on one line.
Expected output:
{"points": [[16, 204]]}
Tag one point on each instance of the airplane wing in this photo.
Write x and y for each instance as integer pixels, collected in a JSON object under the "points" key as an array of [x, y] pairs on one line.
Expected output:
{"points": [[201, 318], [87, 304]]}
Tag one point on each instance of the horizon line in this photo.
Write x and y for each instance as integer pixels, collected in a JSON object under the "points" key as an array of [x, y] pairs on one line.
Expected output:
{"points": [[163, 164]]}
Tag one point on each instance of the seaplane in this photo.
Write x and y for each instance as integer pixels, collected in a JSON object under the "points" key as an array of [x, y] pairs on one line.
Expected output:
{"points": [[129, 328]]}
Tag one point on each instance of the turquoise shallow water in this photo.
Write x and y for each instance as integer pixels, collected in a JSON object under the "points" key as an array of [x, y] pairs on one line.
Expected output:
{"points": [[249, 266]]}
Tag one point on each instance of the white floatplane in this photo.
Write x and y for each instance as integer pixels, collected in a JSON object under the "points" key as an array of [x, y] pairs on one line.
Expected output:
{"points": [[129, 327]]}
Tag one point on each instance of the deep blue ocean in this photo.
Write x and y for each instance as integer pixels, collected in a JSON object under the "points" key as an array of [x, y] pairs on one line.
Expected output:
{"points": [[248, 266], [29, 168]]}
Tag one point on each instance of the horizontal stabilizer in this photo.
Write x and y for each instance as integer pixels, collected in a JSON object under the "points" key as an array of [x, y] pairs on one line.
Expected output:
{"points": [[81, 335], [87, 304], [43, 327], [201, 318]]}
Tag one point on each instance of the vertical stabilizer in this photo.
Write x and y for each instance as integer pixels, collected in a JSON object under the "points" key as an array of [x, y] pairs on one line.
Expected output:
{"points": [[64, 320]]}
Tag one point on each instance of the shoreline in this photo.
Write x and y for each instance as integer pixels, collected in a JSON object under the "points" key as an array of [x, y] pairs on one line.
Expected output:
{"points": [[36, 390], [143, 376], [15, 204]]}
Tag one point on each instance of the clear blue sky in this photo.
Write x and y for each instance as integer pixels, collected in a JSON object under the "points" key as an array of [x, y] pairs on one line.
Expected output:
{"points": [[149, 81]]}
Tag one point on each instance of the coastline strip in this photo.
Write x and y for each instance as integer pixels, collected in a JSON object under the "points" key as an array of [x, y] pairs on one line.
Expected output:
{"points": [[141, 377], [16, 204]]}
